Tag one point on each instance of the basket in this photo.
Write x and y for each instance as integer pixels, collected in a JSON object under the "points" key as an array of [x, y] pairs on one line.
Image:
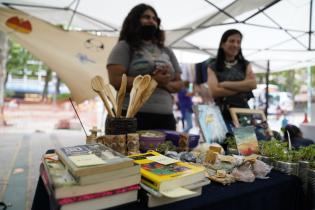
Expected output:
{"points": [[119, 125]]}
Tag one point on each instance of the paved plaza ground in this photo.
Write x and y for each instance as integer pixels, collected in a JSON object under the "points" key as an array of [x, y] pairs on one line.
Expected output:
{"points": [[31, 130]]}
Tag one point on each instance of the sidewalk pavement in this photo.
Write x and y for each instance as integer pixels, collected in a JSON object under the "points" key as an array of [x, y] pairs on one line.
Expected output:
{"points": [[44, 117], [29, 133]]}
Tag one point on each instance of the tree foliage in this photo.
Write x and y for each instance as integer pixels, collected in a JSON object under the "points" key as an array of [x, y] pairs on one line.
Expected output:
{"points": [[288, 81], [21, 62], [18, 58]]}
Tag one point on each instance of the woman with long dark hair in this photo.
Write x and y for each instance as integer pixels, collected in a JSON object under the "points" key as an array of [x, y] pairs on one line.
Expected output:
{"points": [[139, 51], [230, 75]]}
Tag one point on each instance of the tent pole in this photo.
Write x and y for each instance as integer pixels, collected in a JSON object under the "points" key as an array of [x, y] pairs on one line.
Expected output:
{"points": [[309, 93], [3, 60], [73, 13], [267, 88], [310, 27]]}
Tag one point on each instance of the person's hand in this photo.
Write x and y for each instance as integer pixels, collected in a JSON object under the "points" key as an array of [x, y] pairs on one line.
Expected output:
{"points": [[223, 84], [162, 75]]}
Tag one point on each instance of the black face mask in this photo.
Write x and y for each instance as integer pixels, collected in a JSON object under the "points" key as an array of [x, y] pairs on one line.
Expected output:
{"points": [[148, 32]]}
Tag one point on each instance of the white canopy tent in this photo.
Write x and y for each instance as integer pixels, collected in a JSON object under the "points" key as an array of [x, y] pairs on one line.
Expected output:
{"points": [[278, 31]]}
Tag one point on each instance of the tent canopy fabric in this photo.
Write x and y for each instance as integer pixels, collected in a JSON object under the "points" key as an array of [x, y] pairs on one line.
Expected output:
{"points": [[75, 56], [279, 31]]}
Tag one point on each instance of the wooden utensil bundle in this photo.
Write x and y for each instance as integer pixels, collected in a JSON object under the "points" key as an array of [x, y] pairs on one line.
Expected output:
{"points": [[98, 86], [142, 89]]}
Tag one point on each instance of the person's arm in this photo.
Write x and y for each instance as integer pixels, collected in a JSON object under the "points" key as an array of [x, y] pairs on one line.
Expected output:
{"points": [[248, 84], [118, 64], [163, 78], [115, 72], [175, 85], [190, 94], [215, 89]]}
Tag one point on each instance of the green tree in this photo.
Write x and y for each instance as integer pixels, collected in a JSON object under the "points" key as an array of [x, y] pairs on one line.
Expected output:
{"points": [[20, 62], [47, 79], [17, 59], [313, 75], [285, 80]]}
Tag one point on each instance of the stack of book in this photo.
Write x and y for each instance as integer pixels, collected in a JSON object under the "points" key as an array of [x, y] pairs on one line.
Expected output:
{"points": [[89, 177], [166, 180]]}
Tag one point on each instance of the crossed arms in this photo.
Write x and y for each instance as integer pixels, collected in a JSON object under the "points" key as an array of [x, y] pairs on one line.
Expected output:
{"points": [[228, 88]]}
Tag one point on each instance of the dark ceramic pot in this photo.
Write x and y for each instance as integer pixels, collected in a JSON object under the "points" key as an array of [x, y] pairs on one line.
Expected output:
{"points": [[117, 125]]}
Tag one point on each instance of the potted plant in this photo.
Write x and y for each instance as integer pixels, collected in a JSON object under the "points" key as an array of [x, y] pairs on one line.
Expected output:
{"points": [[307, 156], [287, 161], [270, 150], [281, 157], [231, 145], [263, 154]]}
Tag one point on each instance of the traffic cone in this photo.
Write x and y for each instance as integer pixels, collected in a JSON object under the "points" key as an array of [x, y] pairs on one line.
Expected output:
{"points": [[305, 118]]}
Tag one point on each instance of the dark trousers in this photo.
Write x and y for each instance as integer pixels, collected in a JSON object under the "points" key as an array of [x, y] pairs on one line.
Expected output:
{"points": [[147, 121]]}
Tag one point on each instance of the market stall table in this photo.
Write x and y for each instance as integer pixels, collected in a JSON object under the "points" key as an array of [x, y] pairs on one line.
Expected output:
{"points": [[279, 192]]}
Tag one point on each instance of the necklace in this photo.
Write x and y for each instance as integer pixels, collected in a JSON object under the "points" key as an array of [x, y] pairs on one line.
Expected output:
{"points": [[153, 52], [230, 64]]}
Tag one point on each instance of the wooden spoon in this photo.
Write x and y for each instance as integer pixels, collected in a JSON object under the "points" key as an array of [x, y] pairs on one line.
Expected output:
{"points": [[150, 89], [121, 95], [135, 86], [141, 90], [111, 94], [146, 95], [97, 84]]}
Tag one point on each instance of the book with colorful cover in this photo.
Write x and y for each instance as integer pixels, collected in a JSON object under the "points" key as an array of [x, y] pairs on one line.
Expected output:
{"points": [[87, 201], [108, 176], [101, 203], [153, 198], [89, 159], [64, 201], [154, 201], [164, 177], [193, 186], [211, 122], [61, 184], [246, 140]]}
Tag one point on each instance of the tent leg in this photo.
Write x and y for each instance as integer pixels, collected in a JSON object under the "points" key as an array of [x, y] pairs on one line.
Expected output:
{"points": [[309, 94], [267, 88]]}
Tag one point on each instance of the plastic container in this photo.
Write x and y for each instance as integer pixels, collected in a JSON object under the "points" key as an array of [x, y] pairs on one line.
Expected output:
{"points": [[174, 136], [150, 139]]}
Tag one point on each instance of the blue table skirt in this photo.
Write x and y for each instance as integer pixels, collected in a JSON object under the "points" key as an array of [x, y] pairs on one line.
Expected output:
{"points": [[279, 192]]}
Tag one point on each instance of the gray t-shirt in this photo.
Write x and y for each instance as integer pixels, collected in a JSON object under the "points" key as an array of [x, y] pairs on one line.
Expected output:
{"points": [[142, 62]]}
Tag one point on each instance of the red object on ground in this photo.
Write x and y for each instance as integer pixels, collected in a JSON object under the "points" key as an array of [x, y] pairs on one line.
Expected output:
{"points": [[63, 124], [305, 118]]}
